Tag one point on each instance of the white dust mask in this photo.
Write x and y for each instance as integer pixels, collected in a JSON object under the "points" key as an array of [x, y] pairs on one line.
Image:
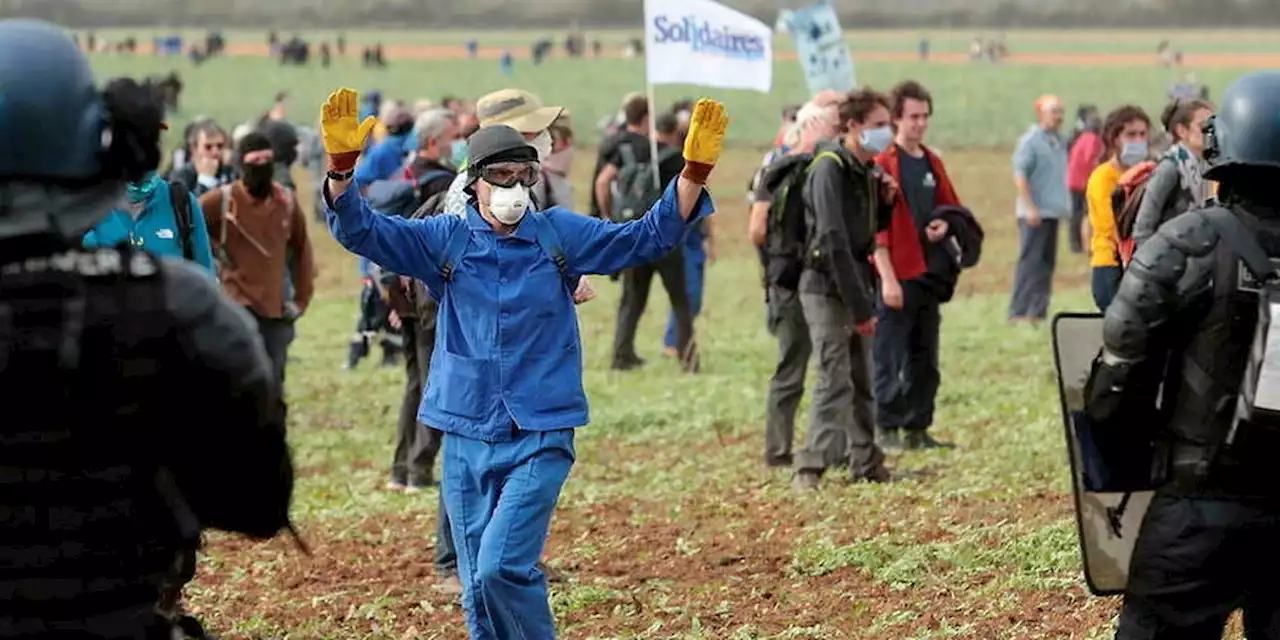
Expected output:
{"points": [[542, 144], [508, 204]]}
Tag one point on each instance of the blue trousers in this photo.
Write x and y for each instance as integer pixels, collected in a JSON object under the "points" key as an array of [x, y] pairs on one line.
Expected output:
{"points": [[500, 497], [694, 268]]}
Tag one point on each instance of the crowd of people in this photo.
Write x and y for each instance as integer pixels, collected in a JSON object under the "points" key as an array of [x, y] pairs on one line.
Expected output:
{"points": [[1112, 183], [863, 237]]}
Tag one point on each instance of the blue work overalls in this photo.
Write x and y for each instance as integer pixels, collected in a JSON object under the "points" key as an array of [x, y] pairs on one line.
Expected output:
{"points": [[506, 377]]}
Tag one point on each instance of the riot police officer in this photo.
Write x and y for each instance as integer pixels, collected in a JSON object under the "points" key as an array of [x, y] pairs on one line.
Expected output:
{"points": [[1210, 541], [107, 474]]}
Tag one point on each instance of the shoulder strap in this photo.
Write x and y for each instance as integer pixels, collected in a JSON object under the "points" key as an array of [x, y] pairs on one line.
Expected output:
{"points": [[550, 243], [181, 202], [432, 175], [453, 250], [222, 219], [628, 154], [825, 154], [1240, 239]]}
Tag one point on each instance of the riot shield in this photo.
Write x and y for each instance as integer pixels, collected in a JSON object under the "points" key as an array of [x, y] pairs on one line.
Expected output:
{"points": [[1107, 523]]}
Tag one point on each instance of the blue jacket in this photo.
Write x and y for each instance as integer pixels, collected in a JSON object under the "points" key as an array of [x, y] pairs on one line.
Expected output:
{"points": [[156, 230], [507, 343], [382, 161]]}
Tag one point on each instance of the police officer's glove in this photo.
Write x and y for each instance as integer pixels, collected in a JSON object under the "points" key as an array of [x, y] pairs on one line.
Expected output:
{"points": [[1105, 390], [705, 140], [343, 133]]}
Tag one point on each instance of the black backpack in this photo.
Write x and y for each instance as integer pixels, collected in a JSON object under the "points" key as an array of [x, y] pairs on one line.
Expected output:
{"points": [[637, 189], [787, 234], [178, 197]]}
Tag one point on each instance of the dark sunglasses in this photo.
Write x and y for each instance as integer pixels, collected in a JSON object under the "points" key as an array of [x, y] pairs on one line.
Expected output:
{"points": [[509, 174]]}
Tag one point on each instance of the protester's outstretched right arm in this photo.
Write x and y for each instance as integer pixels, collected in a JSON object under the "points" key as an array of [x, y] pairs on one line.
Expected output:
{"points": [[228, 454]]}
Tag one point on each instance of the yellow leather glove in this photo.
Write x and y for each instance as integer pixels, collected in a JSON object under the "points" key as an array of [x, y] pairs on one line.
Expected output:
{"points": [[705, 140], [343, 134]]}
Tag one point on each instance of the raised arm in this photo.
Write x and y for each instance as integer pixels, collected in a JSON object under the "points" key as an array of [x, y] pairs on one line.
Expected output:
{"points": [[596, 246], [403, 246]]}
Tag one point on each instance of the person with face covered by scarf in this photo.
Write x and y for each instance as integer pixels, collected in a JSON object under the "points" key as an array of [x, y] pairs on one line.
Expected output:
{"points": [[255, 225], [149, 222], [506, 378]]}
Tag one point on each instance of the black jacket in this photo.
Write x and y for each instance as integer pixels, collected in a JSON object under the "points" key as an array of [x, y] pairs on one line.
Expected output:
{"points": [[150, 417], [961, 249], [1179, 299]]}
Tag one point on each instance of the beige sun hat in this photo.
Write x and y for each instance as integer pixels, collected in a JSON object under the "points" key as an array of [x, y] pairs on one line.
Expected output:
{"points": [[516, 108]]}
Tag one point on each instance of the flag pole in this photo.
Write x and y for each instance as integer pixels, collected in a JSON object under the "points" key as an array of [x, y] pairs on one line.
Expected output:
{"points": [[653, 131]]}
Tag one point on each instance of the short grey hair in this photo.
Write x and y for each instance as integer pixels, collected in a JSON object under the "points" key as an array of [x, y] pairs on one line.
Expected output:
{"points": [[432, 124]]}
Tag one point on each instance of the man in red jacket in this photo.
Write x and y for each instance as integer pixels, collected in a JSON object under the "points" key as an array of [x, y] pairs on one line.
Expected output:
{"points": [[906, 339]]}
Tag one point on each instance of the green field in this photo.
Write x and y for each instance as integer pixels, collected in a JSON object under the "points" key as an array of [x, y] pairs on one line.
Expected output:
{"points": [[879, 40], [670, 527], [976, 105]]}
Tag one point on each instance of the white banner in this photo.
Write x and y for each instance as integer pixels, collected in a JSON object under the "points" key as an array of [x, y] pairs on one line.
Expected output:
{"points": [[705, 43]]}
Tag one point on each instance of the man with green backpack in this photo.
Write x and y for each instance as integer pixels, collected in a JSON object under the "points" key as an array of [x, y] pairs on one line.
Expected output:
{"points": [[625, 189], [823, 218]]}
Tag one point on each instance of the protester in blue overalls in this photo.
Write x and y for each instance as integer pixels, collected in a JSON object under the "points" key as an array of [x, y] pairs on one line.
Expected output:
{"points": [[148, 221], [506, 377]]}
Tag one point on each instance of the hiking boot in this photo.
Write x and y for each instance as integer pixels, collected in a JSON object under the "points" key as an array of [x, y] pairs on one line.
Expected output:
{"points": [[627, 364], [356, 352], [778, 462], [417, 483], [921, 440], [889, 439], [390, 357], [877, 475], [806, 481]]}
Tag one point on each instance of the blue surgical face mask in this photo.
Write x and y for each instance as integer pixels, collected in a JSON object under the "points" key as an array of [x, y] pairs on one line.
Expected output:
{"points": [[876, 140], [458, 153], [141, 190], [1133, 152]]}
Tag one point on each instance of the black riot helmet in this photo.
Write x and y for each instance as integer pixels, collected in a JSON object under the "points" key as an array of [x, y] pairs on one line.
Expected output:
{"points": [[1245, 131]]}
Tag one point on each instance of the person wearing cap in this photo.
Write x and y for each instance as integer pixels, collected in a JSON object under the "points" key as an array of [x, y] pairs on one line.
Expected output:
{"points": [[506, 377], [1040, 175], [520, 110], [386, 156]]}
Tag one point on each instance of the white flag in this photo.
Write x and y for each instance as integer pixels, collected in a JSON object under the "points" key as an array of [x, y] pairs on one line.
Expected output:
{"points": [[705, 43]]}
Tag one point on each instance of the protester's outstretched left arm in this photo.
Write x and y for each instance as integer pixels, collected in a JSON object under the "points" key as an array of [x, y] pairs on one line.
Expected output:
{"points": [[596, 246]]}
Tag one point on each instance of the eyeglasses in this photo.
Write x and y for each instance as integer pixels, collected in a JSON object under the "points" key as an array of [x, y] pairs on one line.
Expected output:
{"points": [[509, 174]]}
